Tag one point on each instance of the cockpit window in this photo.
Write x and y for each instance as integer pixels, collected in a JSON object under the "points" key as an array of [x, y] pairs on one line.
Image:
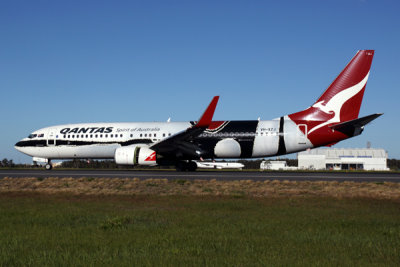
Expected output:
{"points": [[32, 135]]}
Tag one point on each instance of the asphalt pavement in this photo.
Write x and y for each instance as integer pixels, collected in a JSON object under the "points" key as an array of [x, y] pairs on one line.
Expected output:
{"points": [[208, 175]]}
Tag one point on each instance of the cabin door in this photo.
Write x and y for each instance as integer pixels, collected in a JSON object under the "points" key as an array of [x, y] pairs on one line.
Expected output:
{"points": [[51, 138], [302, 134]]}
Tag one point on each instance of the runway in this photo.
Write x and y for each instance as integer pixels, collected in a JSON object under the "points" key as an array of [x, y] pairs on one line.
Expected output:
{"points": [[208, 175]]}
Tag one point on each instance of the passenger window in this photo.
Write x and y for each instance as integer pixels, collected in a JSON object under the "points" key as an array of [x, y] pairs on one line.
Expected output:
{"points": [[86, 136], [106, 135], [155, 135], [95, 136], [141, 135], [120, 135], [163, 135], [149, 135]]}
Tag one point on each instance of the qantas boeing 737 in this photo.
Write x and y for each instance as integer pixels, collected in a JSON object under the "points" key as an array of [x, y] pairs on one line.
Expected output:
{"points": [[332, 118]]}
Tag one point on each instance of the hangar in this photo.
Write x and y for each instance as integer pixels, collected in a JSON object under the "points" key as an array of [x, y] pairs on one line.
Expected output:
{"points": [[343, 159]]}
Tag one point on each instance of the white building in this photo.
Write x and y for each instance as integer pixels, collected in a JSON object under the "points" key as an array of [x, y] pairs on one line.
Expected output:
{"points": [[343, 159]]}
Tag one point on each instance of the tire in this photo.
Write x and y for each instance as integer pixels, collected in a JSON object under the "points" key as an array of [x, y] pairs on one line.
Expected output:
{"points": [[48, 167], [192, 166], [181, 166]]}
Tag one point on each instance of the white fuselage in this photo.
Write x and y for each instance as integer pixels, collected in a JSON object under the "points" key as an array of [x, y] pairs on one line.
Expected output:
{"points": [[100, 140]]}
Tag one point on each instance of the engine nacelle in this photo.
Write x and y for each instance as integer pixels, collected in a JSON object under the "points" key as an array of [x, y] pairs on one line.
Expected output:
{"points": [[135, 155], [227, 148]]}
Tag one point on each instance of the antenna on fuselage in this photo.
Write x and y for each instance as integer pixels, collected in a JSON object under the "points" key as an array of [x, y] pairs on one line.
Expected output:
{"points": [[169, 119]]}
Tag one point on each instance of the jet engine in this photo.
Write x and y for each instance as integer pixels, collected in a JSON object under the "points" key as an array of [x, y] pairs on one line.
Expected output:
{"points": [[135, 155], [227, 148]]}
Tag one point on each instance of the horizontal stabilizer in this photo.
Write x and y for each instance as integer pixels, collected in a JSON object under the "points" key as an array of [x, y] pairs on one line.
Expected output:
{"points": [[354, 127]]}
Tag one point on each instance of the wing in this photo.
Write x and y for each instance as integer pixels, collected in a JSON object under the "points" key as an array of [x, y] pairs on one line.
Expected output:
{"points": [[182, 145]]}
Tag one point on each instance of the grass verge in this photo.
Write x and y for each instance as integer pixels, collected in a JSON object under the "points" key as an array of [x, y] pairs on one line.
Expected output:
{"points": [[164, 187], [238, 230]]}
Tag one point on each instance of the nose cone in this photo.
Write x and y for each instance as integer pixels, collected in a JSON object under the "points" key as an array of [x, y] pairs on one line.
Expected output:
{"points": [[22, 146], [18, 144]]}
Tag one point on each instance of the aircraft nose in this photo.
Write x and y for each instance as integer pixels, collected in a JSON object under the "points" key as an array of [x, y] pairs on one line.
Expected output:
{"points": [[21, 145], [18, 144]]}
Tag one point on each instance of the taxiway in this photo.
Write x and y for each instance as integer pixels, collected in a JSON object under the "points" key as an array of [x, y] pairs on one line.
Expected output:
{"points": [[208, 175]]}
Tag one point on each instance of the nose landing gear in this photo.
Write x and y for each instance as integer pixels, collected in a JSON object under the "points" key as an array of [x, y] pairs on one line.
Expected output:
{"points": [[48, 165]]}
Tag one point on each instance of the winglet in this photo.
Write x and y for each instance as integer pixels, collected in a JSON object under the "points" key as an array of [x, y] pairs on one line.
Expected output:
{"points": [[208, 114]]}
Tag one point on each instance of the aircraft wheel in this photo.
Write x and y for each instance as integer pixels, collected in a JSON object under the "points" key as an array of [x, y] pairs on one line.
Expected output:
{"points": [[48, 166], [181, 166], [191, 166]]}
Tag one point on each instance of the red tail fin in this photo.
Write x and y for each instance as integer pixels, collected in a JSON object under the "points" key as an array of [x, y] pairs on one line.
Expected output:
{"points": [[355, 73], [342, 100]]}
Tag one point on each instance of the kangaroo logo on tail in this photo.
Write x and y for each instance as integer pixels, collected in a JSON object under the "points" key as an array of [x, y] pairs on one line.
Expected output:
{"points": [[340, 103], [334, 105]]}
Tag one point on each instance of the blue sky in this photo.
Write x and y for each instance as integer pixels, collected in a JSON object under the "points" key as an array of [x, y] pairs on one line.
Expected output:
{"points": [[105, 61]]}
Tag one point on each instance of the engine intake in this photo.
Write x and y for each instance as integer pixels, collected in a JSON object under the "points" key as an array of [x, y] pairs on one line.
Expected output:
{"points": [[135, 155]]}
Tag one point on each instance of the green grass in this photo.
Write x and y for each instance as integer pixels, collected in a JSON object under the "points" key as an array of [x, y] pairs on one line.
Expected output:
{"points": [[71, 230]]}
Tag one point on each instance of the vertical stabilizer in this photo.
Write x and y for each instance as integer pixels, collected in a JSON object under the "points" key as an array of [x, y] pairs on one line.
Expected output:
{"points": [[342, 100], [347, 90]]}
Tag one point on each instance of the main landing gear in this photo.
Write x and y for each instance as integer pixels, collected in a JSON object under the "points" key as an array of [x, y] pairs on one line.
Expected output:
{"points": [[182, 166]]}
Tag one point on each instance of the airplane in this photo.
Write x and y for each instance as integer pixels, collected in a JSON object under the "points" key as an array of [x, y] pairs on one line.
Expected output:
{"points": [[332, 118], [219, 165]]}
